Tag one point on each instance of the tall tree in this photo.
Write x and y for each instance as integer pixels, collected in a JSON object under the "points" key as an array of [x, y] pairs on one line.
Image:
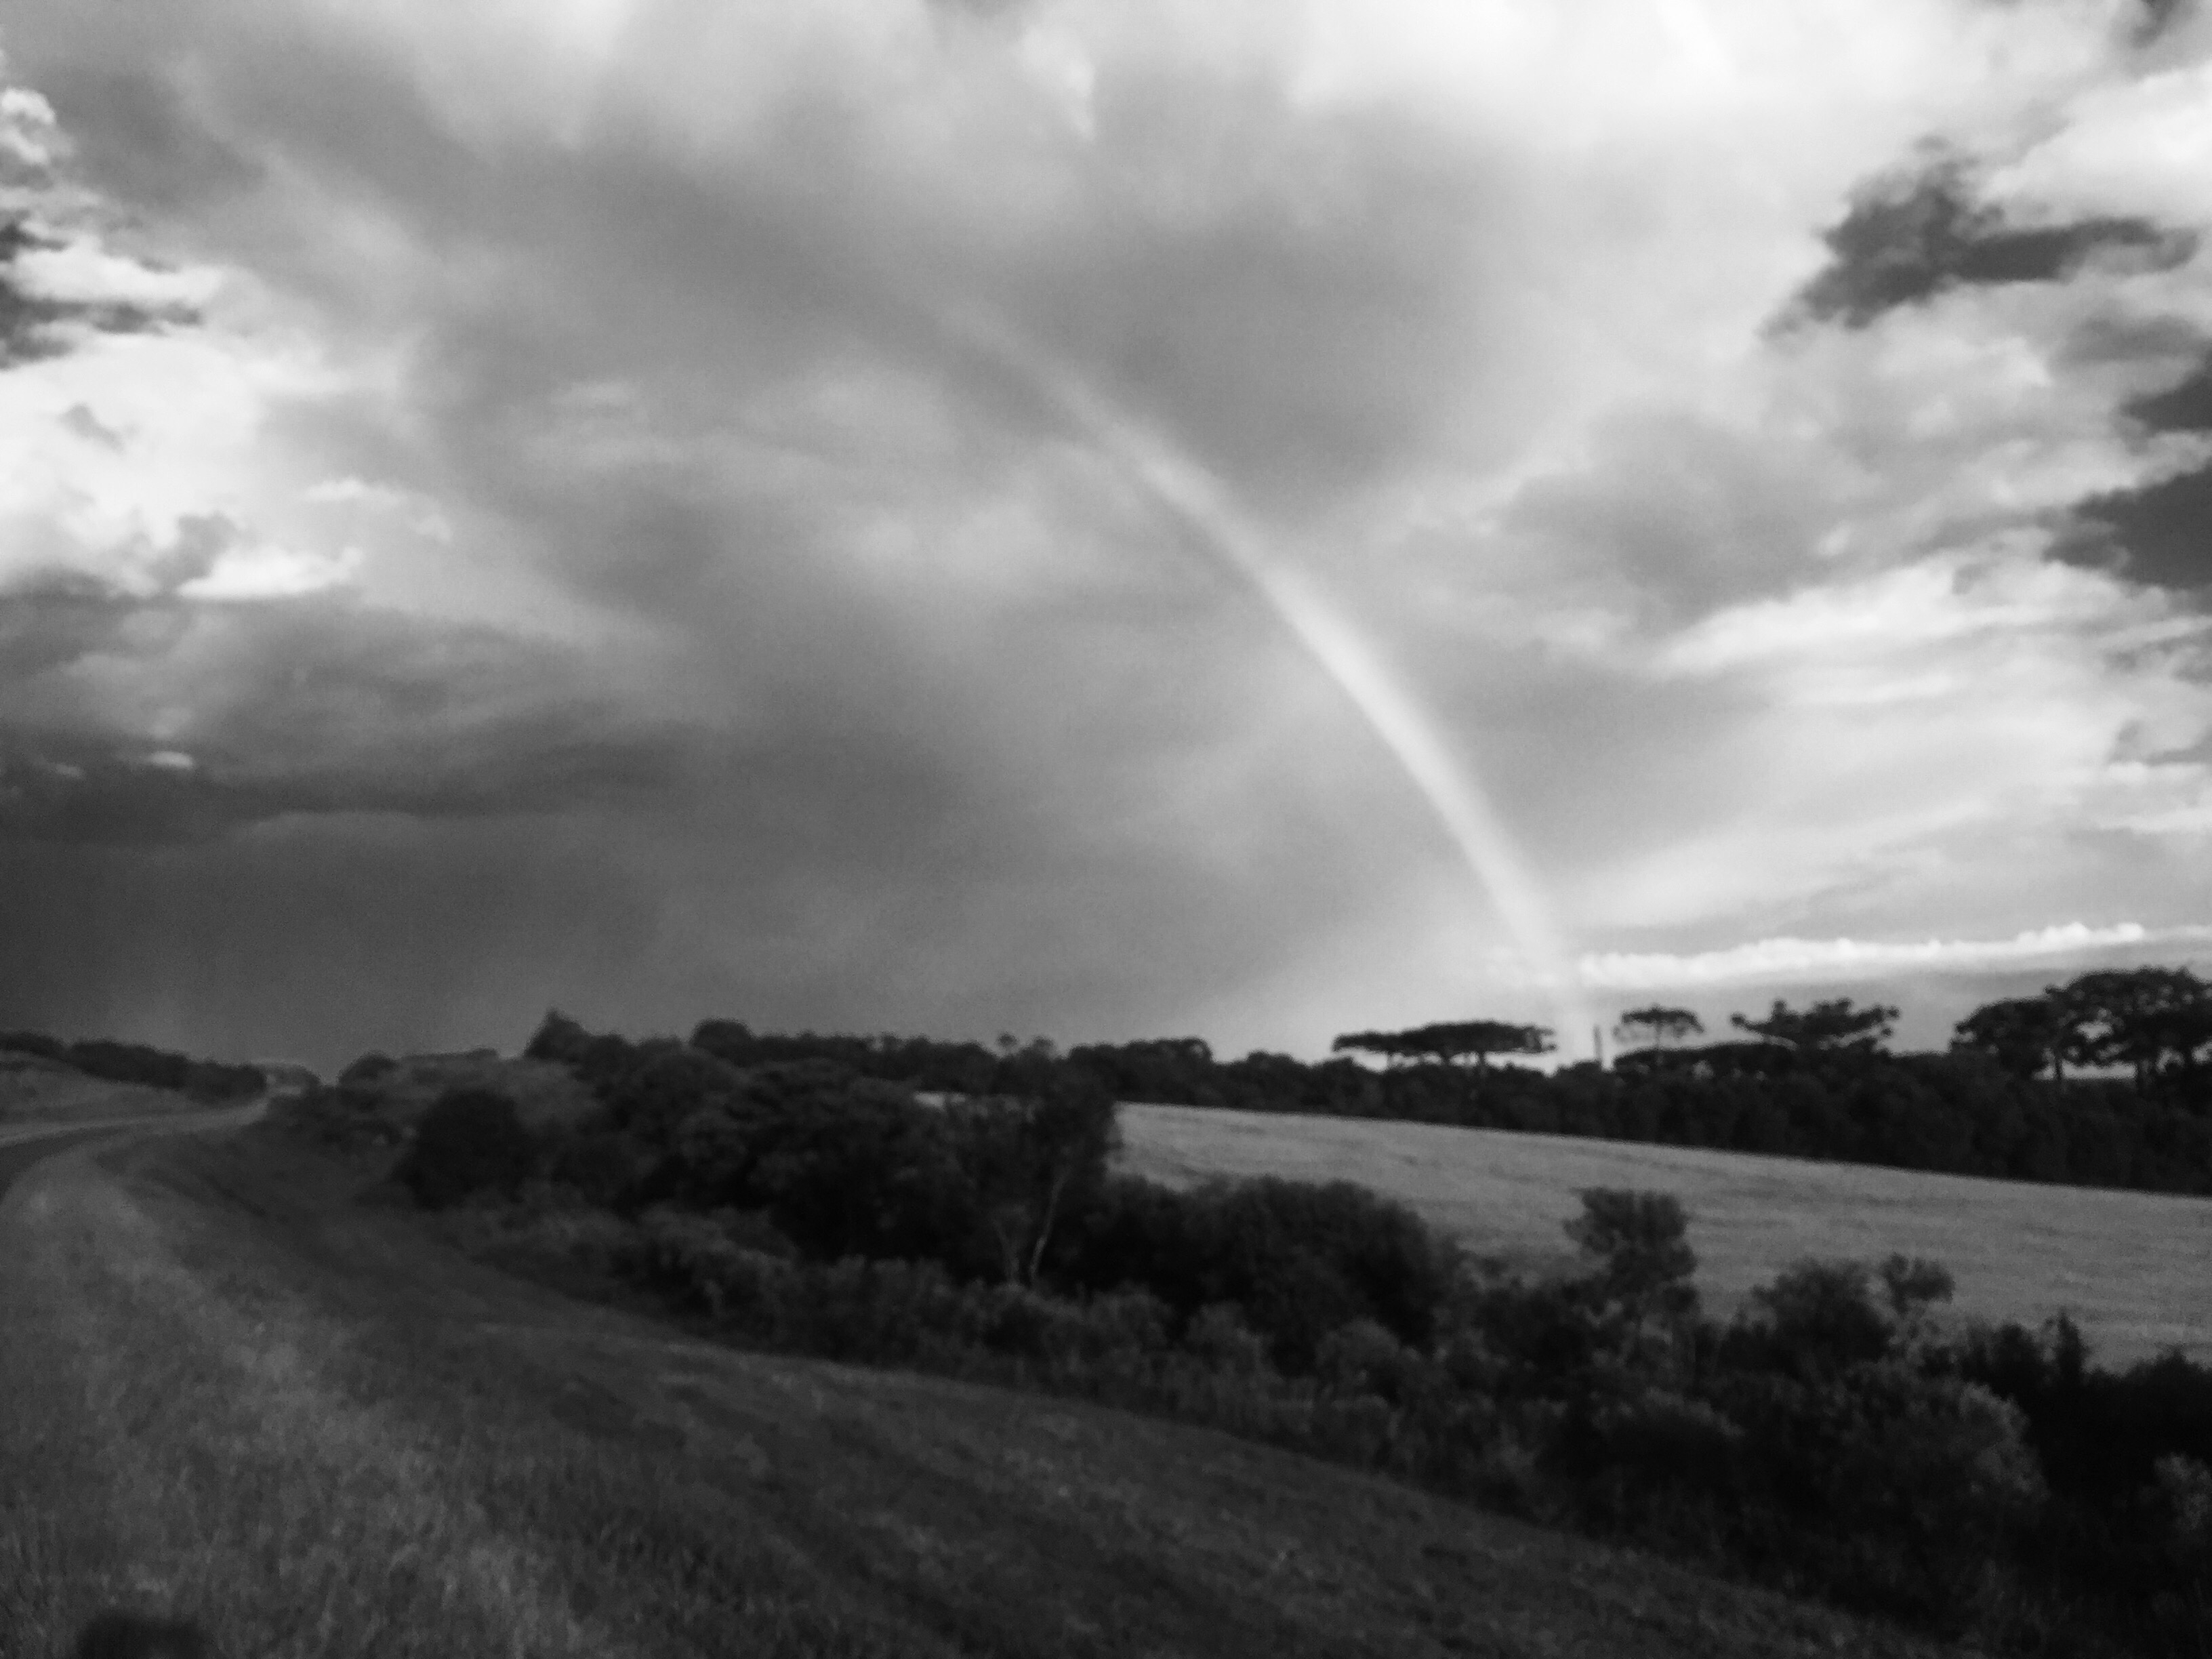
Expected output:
{"points": [[2023, 1034], [1390, 1046], [1658, 1026], [1451, 1041], [1027, 1157], [1825, 1028], [2145, 1018]]}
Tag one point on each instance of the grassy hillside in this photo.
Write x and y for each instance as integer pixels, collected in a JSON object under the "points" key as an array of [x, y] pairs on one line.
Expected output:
{"points": [[2135, 1268], [36, 1090], [240, 1394]]}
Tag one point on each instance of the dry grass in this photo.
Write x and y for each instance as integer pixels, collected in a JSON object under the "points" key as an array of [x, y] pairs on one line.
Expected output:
{"points": [[240, 1395], [2135, 1269]]}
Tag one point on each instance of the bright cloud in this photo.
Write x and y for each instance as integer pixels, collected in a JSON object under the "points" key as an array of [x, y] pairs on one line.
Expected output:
{"points": [[1828, 960]]}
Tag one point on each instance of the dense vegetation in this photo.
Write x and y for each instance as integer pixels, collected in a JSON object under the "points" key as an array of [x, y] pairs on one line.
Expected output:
{"points": [[131, 1062], [1814, 1083], [1828, 1440]]}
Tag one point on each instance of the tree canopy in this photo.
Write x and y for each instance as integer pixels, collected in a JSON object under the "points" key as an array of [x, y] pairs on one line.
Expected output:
{"points": [[1825, 1027], [1658, 1026], [1451, 1041]]}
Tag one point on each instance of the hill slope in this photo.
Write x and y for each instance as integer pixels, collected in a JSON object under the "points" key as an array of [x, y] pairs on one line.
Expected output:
{"points": [[35, 1090], [245, 1396], [2133, 1268]]}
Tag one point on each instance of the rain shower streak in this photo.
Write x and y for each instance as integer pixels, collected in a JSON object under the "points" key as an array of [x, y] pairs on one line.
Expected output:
{"points": [[1445, 780]]}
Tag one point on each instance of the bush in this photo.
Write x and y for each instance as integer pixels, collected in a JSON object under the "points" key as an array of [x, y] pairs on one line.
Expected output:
{"points": [[1886, 1487], [606, 1166], [1298, 1259], [1814, 1320], [470, 1140], [333, 1118], [35, 1043]]}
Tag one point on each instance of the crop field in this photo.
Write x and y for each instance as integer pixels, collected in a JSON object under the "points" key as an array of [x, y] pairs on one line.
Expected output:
{"points": [[238, 1394], [2133, 1269]]}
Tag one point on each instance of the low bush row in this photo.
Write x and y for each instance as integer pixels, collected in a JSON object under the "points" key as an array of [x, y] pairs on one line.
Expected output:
{"points": [[208, 1080]]}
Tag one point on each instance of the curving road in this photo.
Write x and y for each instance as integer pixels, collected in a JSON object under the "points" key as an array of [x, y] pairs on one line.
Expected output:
{"points": [[27, 1143]]}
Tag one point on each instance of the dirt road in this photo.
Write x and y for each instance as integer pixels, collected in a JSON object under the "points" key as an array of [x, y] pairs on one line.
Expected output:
{"points": [[24, 1145]]}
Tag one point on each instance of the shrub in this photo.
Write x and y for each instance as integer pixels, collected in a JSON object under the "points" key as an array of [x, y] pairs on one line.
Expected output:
{"points": [[333, 1118], [602, 1164], [1814, 1320], [1220, 1337], [1361, 1358], [470, 1140], [1638, 1239], [1884, 1486], [666, 1085], [35, 1043], [1298, 1259]]}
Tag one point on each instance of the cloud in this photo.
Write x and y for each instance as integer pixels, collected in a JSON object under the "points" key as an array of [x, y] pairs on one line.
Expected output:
{"points": [[1918, 234], [150, 720], [572, 457], [1846, 959]]}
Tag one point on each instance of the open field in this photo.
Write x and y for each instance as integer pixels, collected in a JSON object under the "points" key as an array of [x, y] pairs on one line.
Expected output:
{"points": [[240, 1395], [2135, 1269]]}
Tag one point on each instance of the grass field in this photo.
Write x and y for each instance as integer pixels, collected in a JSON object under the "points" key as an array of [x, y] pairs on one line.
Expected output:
{"points": [[236, 1393], [2135, 1269]]}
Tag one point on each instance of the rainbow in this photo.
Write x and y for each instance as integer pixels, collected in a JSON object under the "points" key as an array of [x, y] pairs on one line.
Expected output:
{"points": [[1444, 779]]}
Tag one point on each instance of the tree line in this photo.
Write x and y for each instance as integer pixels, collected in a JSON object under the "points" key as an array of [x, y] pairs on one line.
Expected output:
{"points": [[1831, 1440], [2099, 1082], [205, 1080]]}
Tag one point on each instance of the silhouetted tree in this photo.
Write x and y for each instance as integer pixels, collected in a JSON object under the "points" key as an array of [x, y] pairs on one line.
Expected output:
{"points": [[1825, 1027], [1658, 1026], [470, 1140], [1640, 1239], [557, 1038], [2023, 1034], [2139, 1018], [1452, 1040], [1028, 1158]]}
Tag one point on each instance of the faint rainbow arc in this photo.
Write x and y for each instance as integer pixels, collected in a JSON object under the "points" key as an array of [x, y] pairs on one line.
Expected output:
{"points": [[1447, 782]]}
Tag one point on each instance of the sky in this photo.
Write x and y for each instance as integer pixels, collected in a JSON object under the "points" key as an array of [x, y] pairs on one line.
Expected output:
{"points": [[1099, 520]]}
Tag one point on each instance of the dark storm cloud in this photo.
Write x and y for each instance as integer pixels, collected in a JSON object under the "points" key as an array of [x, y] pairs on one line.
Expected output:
{"points": [[2160, 536], [33, 325], [2185, 406], [1908, 238], [314, 705], [56, 621]]}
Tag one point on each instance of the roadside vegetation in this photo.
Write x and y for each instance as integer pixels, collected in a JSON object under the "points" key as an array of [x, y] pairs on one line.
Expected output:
{"points": [[302, 1424], [1828, 1441], [206, 1082]]}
